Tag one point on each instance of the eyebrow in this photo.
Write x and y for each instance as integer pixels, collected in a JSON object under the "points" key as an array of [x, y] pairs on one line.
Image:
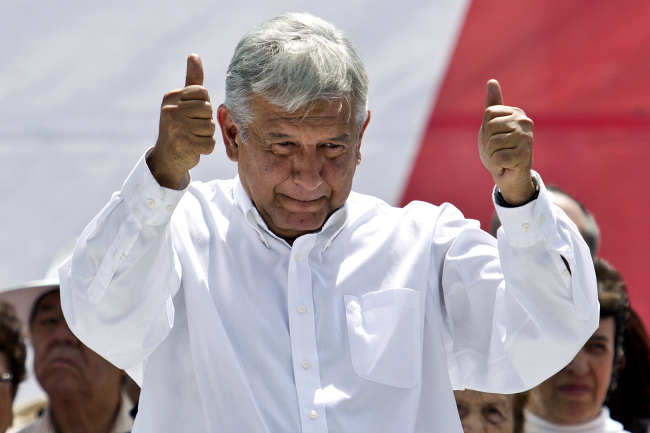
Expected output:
{"points": [[279, 136], [599, 337]]}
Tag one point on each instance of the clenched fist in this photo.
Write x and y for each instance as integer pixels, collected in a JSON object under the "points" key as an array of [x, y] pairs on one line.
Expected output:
{"points": [[186, 129], [505, 143]]}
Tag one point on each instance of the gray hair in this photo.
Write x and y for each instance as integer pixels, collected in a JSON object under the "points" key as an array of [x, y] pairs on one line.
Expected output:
{"points": [[292, 61]]}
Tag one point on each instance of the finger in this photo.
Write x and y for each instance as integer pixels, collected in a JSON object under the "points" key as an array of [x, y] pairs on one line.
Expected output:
{"points": [[194, 93], [196, 109], [201, 127], [186, 144], [194, 76], [508, 141], [509, 158], [203, 145], [500, 125], [508, 123], [493, 94], [496, 112]]}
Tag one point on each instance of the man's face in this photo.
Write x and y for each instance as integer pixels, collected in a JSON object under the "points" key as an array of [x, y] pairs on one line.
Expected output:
{"points": [[576, 394], [63, 365], [297, 168], [482, 412]]}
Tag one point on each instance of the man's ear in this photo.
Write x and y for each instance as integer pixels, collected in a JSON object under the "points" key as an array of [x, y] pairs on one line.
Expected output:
{"points": [[229, 132], [363, 129]]}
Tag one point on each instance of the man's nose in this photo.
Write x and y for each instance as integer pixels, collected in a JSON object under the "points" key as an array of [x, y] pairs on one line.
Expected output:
{"points": [[64, 335], [307, 167], [473, 423], [579, 366]]}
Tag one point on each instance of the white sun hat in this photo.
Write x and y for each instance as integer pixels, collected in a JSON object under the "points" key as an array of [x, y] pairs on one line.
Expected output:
{"points": [[23, 296]]}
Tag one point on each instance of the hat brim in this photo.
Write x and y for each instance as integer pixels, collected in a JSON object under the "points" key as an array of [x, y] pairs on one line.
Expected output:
{"points": [[23, 296]]}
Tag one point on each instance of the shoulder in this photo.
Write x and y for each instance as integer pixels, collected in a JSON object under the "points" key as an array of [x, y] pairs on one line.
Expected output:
{"points": [[361, 205], [371, 212], [218, 195], [215, 188]]}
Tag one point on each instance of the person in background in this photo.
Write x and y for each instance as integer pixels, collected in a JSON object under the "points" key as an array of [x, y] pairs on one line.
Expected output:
{"points": [[483, 412], [629, 401], [84, 390], [572, 400], [12, 361]]}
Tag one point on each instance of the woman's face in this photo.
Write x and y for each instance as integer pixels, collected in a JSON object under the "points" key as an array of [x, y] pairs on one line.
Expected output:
{"points": [[485, 413], [576, 394]]}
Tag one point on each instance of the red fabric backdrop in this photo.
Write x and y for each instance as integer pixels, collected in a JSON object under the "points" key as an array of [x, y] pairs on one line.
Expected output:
{"points": [[581, 71]]}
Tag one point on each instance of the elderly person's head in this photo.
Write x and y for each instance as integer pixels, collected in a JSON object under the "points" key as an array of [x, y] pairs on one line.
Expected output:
{"points": [[12, 361], [79, 383], [576, 394], [293, 119], [483, 412]]}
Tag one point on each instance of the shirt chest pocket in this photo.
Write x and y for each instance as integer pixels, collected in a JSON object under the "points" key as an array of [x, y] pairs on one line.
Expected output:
{"points": [[384, 335]]}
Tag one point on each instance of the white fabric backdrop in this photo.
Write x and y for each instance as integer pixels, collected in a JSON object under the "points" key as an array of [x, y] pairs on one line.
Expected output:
{"points": [[81, 84]]}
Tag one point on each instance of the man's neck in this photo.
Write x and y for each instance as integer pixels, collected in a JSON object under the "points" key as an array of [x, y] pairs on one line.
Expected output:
{"points": [[83, 413]]}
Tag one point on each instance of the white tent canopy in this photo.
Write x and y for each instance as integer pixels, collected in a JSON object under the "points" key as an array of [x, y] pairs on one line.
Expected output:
{"points": [[81, 85]]}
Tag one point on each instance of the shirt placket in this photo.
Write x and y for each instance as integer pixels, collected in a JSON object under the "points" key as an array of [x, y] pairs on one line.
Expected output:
{"points": [[302, 328]]}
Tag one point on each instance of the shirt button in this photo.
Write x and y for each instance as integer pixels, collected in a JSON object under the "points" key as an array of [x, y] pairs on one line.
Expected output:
{"points": [[121, 257], [302, 309], [170, 208], [258, 220], [542, 219], [306, 364], [298, 257], [151, 202], [261, 238], [525, 227], [329, 244], [312, 414], [565, 273]]}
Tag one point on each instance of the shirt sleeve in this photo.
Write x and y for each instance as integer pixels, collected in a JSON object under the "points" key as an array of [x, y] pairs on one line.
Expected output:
{"points": [[513, 314], [117, 288]]}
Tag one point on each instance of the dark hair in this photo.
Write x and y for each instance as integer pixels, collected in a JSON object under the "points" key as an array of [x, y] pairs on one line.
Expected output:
{"points": [[12, 344], [629, 403], [612, 295]]}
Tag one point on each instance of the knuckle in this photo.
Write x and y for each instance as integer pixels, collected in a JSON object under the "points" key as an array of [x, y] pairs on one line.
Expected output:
{"points": [[168, 111], [171, 94]]}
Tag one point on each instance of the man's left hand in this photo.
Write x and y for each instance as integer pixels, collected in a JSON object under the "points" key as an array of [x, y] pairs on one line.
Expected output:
{"points": [[505, 143]]}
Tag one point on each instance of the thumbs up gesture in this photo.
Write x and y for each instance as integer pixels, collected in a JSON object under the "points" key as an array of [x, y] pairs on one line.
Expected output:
{"points": [[505, 143], [186, 129]]}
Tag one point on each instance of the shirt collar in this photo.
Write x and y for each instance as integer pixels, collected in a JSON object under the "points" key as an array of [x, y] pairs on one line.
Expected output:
{"points": [[332, 227], [123, 422]]}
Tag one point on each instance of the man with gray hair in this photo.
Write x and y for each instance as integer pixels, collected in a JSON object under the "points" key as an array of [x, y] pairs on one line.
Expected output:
{"points": [[280, 301]]}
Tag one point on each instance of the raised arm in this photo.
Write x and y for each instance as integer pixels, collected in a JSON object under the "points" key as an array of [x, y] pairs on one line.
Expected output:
{"points": [[518, 310], [117, 288]]}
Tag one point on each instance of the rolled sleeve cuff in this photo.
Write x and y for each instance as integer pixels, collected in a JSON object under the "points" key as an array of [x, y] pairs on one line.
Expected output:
{"points": [[528, 224], [149, 202]]}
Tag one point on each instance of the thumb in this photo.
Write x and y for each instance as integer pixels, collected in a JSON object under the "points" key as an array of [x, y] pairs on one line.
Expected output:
{"points": [[194, 76], [493, 94]]}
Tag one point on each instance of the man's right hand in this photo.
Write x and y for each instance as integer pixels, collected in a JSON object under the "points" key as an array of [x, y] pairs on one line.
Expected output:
{"points": [[186, 129]]}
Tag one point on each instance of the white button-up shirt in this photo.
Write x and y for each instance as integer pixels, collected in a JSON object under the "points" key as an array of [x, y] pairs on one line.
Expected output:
{"points": [[363, 326]]}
